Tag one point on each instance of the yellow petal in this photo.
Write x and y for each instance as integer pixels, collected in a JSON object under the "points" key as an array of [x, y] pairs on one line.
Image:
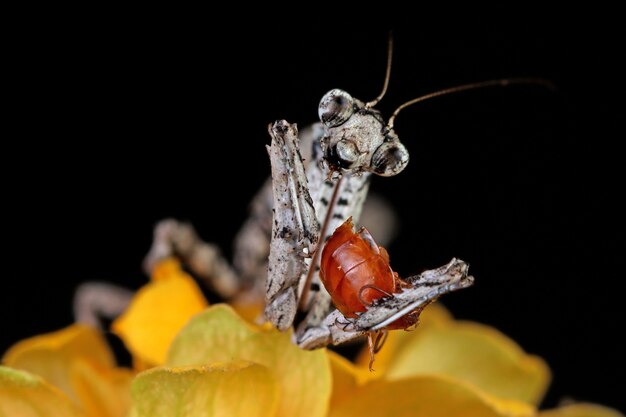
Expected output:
{"points": [[471, 352], [157, 312], [167, 268], [78, 361], [52, 355], [421, 396], [103, 392], [76, 340], [250, 310], [218, 390], [433, 315], [581, 410], [26, 395], [219, 335], [346, 377], [509, 408]]}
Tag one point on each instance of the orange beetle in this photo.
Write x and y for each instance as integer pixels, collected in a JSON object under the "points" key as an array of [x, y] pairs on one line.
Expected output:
{"points": [[355, 271]]}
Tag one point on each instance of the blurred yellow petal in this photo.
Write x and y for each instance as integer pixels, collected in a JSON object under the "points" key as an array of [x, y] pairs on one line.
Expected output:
{"points": [[26, 395], [581, 410], [433, 315], [103, 392], [167, 268], [76, 340], [471, 352], [216, 335], [346, 377], [250, 310], [78, 361], [509, 408], [421, 396], [220, 335], [52, 355], [158, 311], [140, 365], [218, 390]]}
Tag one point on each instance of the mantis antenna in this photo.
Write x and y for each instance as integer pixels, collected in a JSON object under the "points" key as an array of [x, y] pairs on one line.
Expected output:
{"points": [[472, 86], [374, 102]]}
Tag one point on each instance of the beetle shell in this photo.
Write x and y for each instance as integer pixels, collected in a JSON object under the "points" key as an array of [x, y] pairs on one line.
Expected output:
{"points": [[351, 261]]}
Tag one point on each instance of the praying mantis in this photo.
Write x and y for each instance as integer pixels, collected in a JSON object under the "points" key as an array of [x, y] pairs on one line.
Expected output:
{"points": [[319, 178]]}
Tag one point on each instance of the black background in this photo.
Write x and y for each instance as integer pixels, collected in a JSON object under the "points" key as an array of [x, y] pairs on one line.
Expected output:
{"points": [[122, 124]]}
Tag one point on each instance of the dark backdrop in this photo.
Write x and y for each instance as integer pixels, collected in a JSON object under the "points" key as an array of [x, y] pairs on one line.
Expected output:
{"points": [[122, 125]]}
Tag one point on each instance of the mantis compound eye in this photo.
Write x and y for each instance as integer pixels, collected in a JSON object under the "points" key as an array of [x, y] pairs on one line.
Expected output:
{"points": [[335, 108], [345, 154], [390, 158]]}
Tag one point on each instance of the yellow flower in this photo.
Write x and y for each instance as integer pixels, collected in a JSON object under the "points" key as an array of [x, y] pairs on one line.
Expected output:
{"points": [[75, 366], [75, 375], [219, 344], [157, 312], [211, 362]]}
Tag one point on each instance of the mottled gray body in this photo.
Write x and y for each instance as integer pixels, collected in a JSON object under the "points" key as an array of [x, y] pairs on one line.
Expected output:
{"points": [[315, 186], [354, 143]]}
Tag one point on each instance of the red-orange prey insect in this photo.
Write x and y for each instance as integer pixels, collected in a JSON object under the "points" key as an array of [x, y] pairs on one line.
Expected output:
{"points": [[356, 273]]}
